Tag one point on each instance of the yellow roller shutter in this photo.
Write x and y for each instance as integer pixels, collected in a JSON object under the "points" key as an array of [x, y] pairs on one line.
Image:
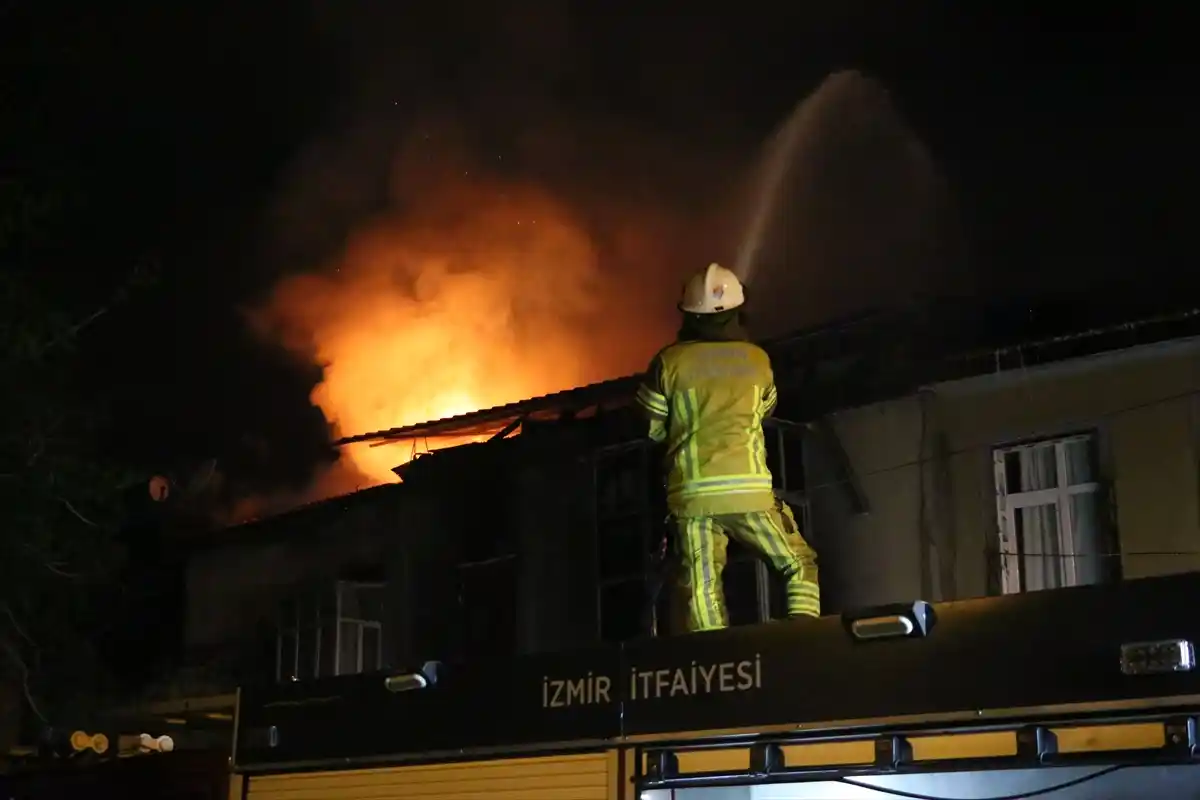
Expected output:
{"points": [[589, 776]]}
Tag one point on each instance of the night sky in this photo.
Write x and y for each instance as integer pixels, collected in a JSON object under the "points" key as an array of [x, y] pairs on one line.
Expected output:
{"points": [[238, 143]]}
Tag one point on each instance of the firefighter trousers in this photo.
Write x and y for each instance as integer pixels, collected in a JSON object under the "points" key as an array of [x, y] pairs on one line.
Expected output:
{"points": [[773, 534]]}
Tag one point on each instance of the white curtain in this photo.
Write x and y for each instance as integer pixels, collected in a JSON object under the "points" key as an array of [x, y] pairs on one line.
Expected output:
{"points": [[1042, 563], [1083, 512], [1060, 546]]}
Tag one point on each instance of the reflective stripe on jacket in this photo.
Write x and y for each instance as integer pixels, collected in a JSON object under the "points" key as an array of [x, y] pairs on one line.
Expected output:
{"points": [[707, 401]]}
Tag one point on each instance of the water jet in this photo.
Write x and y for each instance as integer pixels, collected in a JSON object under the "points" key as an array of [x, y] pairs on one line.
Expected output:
{"points": [[844, 213]]}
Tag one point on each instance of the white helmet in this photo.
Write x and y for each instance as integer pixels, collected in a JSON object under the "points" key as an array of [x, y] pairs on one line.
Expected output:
{"points": [[712, 290]]}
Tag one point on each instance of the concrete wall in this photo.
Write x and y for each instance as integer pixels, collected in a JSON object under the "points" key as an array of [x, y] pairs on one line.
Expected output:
{"points": [[873, 558], [925, 463]]}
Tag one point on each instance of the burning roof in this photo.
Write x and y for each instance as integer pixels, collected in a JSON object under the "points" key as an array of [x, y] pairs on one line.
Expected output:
{"points": [[941, 343]]}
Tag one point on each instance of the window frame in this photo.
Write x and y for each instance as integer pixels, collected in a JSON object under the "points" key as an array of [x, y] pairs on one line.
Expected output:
{"points": [[1009, 503], [292, 627], [359, 626]]}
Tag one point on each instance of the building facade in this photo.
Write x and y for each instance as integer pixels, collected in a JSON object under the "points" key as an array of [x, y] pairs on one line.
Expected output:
{"points": [[1066, 473], [946, 473], [546, 541]]}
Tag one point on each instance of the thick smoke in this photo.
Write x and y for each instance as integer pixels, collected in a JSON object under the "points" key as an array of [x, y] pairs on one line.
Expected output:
{"points": [[469, 288], [524, 243]]}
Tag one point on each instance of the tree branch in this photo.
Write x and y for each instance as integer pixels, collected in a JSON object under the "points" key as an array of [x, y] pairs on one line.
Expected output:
{"points": [[78, 516], [44, 560], [74, 329], [37, 452], [22, 667], [12, 618]]}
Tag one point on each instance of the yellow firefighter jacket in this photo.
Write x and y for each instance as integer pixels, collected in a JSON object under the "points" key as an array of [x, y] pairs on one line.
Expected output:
{"points": [[707, 401]]}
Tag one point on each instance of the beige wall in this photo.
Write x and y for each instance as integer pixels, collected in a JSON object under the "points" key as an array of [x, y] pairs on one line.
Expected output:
{"points": [[1140, 400], [873, 558]]}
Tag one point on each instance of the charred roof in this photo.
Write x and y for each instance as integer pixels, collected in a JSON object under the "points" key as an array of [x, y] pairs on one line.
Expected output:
{"points": [[853, 362], [877, 355]]}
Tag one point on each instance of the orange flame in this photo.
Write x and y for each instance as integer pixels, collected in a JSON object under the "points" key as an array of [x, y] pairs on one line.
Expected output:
{"points": [[483, 296]]}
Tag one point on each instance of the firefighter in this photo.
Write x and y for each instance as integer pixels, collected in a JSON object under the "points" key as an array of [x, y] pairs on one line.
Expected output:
{"points": [[706, 396]]}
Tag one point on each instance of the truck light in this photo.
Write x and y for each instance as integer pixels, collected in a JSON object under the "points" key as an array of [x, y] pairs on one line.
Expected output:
{"points": [[1158, 657], [82, 740], [157, 744], [881, 627], [405, 683], [894, 621], [410, 681]]}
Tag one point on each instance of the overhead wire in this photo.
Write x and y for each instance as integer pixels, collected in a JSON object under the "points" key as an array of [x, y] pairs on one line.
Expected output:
{"points": [[1041, 792], [991, 445], [922, 461]]}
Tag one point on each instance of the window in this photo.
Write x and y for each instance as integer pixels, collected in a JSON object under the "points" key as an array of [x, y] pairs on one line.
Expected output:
{"points": [[630, 509], [1050, 511], [631, 524], [333, 631], [359, 630], [488, 608], [287, 654], [624, 607]]}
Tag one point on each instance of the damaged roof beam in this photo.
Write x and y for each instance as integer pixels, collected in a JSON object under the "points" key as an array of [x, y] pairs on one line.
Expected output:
{"points": [[508, 429]]}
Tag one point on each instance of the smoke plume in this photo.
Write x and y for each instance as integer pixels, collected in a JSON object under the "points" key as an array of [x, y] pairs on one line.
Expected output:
{"points": [[524, 244], [470, 288]]}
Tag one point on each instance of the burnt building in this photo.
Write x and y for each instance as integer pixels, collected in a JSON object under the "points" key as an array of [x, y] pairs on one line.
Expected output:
{"points": [[1046, 485], [927, 455], [545, 537]]}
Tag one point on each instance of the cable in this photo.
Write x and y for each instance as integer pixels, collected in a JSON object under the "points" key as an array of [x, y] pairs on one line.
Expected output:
{"points": [[1045, 790], [919, 462], [1081, 556]]}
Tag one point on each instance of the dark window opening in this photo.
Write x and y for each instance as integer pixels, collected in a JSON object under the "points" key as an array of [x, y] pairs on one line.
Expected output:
{"points": [[625, 549], [488, 608], [623, 607], [742, 586]]}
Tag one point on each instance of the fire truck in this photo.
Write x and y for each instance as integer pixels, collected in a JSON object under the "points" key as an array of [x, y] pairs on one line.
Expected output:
{"points": [[1087, 692]]}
